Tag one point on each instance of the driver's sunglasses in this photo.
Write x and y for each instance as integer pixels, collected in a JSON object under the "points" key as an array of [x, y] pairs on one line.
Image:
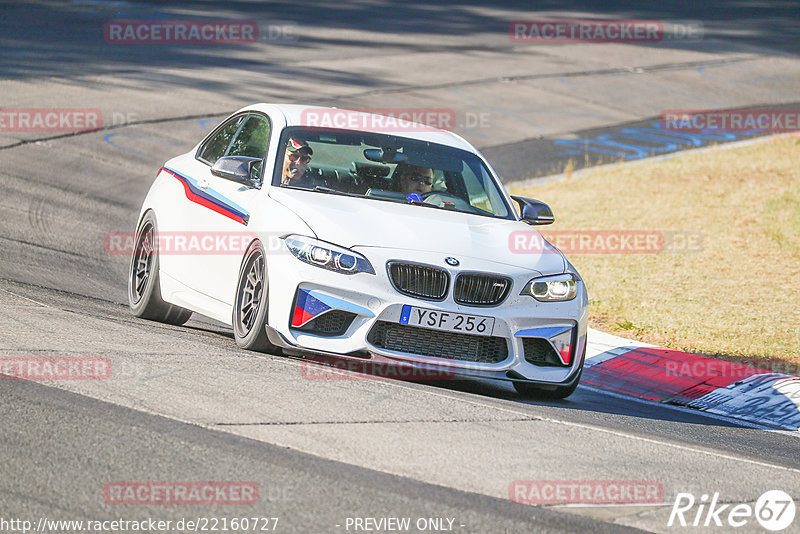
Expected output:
{"points": [[302, 159], [427, 180]]}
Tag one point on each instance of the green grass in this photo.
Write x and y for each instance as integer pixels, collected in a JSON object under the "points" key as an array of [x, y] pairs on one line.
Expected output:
{"points": [[737, 294], [782, 219]]}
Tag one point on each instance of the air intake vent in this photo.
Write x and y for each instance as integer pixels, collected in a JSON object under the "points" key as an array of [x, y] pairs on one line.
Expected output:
{"points": [[539, 351], [421, 281], [438, 344], [331, 323], [474, 289]]}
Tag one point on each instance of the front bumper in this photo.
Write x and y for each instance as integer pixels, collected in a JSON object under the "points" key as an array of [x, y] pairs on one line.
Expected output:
{"points": [[371, 300]]}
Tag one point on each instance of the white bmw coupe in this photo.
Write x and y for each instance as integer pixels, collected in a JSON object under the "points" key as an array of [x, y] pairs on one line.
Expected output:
{"points": [[354, 235]]}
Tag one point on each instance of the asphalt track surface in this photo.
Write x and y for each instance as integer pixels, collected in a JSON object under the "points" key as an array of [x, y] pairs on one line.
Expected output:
{"points": [[184, 404]]}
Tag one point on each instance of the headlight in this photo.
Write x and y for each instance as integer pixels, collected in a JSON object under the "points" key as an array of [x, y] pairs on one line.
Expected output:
{"points": [[327, 255], [552, 288]]}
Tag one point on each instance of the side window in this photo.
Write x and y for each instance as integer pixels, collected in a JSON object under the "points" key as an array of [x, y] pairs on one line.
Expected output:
{"points": [[481, 193], [216, 146], [252, 141], [475, 191]]}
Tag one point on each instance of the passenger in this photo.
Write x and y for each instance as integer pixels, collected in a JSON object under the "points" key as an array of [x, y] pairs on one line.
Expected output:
{"points": [[295, 163], [414, 179]]}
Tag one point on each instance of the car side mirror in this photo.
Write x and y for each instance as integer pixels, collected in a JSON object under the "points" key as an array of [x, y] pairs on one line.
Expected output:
{"points": [[236, 168], [534, 212]]}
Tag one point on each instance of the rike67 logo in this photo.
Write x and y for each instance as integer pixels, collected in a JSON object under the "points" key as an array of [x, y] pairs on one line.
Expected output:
{"points": [[774, 510]]}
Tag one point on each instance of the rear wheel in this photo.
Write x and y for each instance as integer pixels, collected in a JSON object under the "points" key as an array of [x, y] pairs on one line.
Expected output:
{"points": [[250, 308], [144, 292]]}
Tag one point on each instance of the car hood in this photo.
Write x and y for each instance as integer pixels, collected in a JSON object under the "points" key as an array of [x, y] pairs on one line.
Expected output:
{"points": [[358, 222]]}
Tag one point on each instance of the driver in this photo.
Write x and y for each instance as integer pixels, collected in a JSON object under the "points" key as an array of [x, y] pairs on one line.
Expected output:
{"points": [[295, 162], [414, 179]]}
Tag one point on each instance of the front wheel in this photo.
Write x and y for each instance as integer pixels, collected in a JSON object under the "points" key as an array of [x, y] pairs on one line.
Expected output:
{"points": [[144, 292], [250, 307]]}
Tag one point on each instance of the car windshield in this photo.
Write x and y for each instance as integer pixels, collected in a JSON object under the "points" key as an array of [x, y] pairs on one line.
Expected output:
{"points": [[388, 168]]}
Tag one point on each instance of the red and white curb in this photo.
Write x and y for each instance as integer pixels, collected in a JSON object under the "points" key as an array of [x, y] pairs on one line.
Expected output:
{"points": [[709, 385]]}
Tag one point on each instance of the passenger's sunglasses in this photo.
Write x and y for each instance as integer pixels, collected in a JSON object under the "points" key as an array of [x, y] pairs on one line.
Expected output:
{"points": [[416, 177], [302, 159]]}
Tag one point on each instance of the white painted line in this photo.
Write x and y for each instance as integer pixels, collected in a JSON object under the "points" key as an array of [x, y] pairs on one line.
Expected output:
{"points": [[623, 434], [26, 298], [620, 505], [721, 402], [533, 417], [601, 346], [684, 409]]}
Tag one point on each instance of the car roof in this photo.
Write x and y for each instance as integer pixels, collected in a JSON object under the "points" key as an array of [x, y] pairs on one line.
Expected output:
{"points": [[297, 115]]}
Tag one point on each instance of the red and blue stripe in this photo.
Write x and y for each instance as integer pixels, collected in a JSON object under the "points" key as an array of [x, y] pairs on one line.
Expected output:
{"points": [[310, 303], [209, 198]]}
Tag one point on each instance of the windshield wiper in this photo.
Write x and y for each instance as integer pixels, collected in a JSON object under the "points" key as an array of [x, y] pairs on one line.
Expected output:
{"points": [[423, 203]]}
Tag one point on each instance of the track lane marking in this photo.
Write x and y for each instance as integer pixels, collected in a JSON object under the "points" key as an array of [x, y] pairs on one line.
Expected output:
{"points": [[586, 426], [26, 298], [687, 410], [297, 362]]}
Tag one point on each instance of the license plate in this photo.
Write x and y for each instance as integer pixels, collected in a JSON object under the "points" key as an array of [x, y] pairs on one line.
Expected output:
{"points": [[449, 321]]}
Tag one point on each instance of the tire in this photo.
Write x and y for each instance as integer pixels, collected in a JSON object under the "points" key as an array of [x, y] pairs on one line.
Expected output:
{"points": [[144, 291], [249, 315], [536, 391]]}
